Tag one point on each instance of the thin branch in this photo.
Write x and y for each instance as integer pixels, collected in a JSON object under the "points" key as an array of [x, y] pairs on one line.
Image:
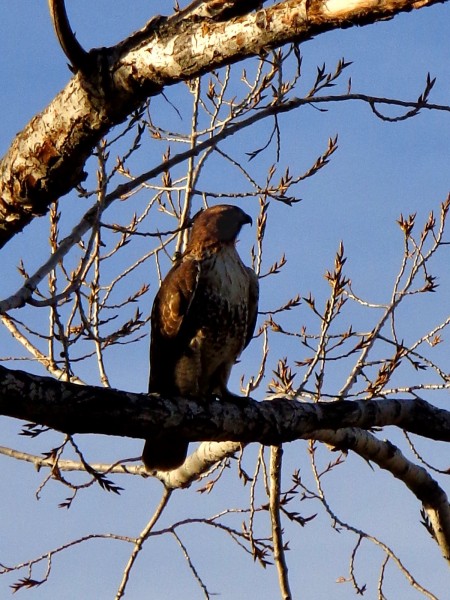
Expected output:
{"points": [[386, 549], [192, 566], [60, 374], [77, 56], [416, 478], [23, 295], [118, 468], [140, 542], [276, 454]]}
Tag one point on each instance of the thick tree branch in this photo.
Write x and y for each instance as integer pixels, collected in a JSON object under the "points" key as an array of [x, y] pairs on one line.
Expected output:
{"points": [[416, 478], [46, 159], [198, 463], [84, 409], [73, 408]]}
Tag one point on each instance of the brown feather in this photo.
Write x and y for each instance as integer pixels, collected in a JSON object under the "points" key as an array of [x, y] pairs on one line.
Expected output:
{"points": [[203, 316]]}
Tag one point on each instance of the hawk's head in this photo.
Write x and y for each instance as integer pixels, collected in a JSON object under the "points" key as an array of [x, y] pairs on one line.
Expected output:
{"points": [[221, 223]]}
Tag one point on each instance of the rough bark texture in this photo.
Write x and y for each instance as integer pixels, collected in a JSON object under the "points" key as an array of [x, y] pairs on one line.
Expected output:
{"points": [[46, 159], [73, 408]]}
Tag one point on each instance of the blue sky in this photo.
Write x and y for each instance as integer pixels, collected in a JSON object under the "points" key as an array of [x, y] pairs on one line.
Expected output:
{"points": [[379, 171]]}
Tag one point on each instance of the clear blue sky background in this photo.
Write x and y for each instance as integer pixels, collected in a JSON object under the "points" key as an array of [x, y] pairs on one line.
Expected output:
{"points": [[379, 171]]}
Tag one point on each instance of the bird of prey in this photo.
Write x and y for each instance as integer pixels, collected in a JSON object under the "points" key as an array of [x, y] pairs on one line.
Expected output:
{"points": [[203, 317]]}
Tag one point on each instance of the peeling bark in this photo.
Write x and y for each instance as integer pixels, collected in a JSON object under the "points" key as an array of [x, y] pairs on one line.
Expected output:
{"points": [[46, 159]]}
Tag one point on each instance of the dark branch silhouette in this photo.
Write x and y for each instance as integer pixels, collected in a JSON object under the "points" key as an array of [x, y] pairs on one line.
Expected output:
{"points": [[72, 408], [78, 57]]}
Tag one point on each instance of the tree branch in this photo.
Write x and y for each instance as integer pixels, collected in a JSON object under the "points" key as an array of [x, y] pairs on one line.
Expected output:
{"points": [[143, 536], [77, 56], [86, 409], [46, 159], [279, 555], [416, 478], [72, 408]]}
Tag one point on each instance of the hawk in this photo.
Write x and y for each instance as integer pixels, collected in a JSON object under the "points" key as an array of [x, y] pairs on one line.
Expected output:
{"points": [[203, 317]]}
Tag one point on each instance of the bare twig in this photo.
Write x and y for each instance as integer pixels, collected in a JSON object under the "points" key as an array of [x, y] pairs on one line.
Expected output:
{"points": [[279, 548], [143, 536]]}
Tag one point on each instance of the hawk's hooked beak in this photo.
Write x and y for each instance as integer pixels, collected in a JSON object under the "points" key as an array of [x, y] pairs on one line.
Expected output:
{"points": [[247, 220]]}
